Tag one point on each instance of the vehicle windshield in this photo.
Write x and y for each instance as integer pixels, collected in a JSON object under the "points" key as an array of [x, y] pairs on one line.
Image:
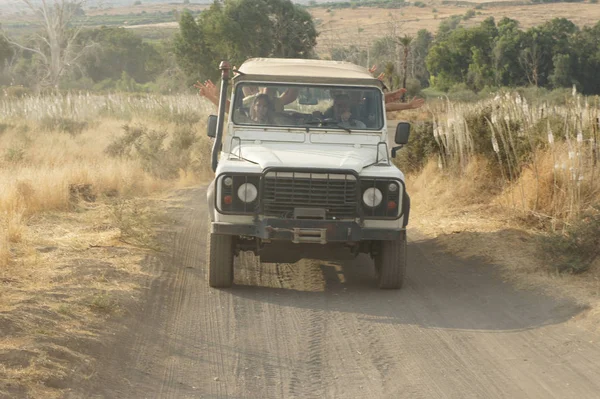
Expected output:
{"points": [[330, 107]]}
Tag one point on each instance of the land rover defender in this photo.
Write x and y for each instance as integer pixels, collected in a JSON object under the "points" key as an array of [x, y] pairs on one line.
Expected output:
{"points": [[302, 161]]}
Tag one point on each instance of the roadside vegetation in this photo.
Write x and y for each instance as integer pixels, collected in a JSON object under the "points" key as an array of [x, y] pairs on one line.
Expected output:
{"points": [[535, 160], [81, 180]]}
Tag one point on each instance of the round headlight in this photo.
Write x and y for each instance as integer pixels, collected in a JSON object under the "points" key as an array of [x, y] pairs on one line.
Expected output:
{"points": [[247, 192], [372, 197], [228, 181], [393, 187]]}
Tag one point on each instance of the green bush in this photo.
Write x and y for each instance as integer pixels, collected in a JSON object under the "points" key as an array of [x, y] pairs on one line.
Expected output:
{"points": [[469, 14], [421, 146]]}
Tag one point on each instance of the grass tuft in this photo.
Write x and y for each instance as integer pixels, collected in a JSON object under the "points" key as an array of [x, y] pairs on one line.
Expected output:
{"points": [[577, 247]]}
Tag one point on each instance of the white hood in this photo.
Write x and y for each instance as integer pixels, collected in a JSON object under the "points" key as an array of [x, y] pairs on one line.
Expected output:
{"points": [[309, 156]]}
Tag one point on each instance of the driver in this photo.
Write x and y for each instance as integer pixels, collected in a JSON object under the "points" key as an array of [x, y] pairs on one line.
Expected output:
{"points": [[343, 114]]}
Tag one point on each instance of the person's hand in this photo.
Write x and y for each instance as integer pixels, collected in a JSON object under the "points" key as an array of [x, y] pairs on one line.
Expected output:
{"points": [[381, 76], [208, 90], [373, 68], [395, 95], [416, 102]]}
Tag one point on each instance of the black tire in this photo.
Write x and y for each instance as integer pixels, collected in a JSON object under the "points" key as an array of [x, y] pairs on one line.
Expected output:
{"points": [[390, 263], [220, 261]]}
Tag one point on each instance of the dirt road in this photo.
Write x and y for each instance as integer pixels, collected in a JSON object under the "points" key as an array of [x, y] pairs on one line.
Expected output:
{"points": [[322, 330]]}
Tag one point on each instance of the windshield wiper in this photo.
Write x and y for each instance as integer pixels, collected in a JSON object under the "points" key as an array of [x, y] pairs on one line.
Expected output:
{"points": [[329, 123]]}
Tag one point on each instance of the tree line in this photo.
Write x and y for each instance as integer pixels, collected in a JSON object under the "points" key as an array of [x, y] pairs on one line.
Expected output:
{"points": [[64, 54], [491, 55]]}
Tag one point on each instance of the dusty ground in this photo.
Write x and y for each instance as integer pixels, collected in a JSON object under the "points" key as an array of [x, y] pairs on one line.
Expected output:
{"points": [[88, 314], [321, 329], [74, 278], [494, 233]]}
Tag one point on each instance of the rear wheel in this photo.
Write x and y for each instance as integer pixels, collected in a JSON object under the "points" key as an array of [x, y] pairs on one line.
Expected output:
{"points": [[220, 261], [390, 263]]}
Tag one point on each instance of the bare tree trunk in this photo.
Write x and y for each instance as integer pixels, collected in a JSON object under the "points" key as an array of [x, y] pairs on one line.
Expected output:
{"points": [[56, 47]]}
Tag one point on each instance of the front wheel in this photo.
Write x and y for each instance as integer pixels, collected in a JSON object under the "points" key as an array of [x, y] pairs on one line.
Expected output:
{"points": [[220, 261], [390, 263]]}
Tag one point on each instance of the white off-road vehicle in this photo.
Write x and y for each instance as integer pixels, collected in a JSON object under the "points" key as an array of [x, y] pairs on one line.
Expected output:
{"points": [[302, 169]]}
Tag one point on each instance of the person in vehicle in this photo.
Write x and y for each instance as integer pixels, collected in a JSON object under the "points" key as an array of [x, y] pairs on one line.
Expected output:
{"points": [[391, 97], [343, 114], [262, 113], [210, 91], [261, 110]]}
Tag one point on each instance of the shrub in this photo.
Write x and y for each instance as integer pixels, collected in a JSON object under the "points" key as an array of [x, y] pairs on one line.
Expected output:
{"points": [[186, 117], [14, 155], [421, 146], [148, 147], [16, 91], [576, 248], [413, 87], [469, 14], [65, 125]]}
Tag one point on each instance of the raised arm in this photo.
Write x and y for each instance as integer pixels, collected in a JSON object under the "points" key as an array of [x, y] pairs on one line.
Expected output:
{"points": [[210, 91], [289, 96], [413, 104]]}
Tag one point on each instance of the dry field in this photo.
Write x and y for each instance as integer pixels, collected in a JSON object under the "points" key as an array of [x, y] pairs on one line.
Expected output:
{"points": [[75, 224], [362, 25]]}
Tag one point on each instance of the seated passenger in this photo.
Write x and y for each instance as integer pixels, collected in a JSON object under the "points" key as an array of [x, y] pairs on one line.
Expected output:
{"points": [[262, 113], [342, 113]]}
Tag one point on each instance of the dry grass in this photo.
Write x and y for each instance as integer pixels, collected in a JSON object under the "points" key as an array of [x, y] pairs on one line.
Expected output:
{"points": [[509, 182], [544, 159], [75, 223]]}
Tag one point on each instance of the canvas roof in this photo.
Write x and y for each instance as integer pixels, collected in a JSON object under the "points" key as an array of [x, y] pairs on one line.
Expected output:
{"points": [[292, 70]]}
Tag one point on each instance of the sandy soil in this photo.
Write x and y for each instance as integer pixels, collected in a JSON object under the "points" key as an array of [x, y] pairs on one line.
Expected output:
{"points": [[96, 317], [322, 329]]}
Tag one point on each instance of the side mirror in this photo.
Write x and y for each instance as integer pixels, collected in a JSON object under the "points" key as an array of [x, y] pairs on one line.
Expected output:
{"points": [[402, 133], [211, 126]]}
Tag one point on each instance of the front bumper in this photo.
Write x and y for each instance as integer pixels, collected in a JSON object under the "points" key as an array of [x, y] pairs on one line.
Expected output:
{"points": [[307, 231]]}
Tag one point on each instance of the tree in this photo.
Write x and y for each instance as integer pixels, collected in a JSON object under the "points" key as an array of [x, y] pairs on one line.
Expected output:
{"points": [[192, 52], [120, 50], [241, 29], [420, 49], [505, 54], [562, 75], [405, 43], [450, 59], [55, 44], [586, 54], [6, 52]]}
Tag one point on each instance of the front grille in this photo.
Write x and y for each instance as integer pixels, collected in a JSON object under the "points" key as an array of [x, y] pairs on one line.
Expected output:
{"points": [[285, 192]]}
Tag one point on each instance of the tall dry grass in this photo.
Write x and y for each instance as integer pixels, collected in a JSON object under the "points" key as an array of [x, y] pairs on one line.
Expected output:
{"points": [[542, 159], [49, 144]]}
